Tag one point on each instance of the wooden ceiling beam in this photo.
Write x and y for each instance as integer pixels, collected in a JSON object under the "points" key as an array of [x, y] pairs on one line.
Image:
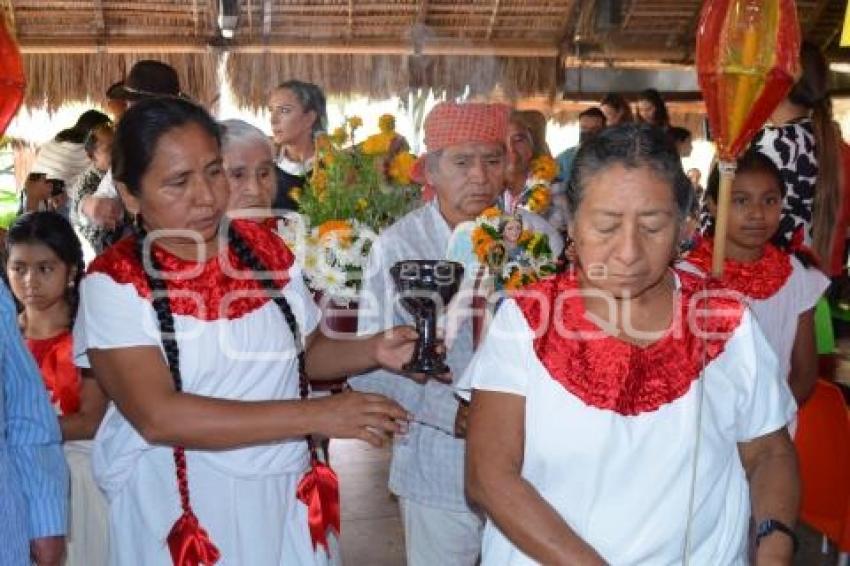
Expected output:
{"points": [[56, 6], [170, 45]]}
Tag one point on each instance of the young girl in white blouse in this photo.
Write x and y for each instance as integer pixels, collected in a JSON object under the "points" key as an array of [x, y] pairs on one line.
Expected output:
{"points": [[779, 280]]}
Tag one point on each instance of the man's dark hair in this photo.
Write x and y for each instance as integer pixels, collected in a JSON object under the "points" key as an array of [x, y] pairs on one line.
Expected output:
{"points": [[85, 123], [592, 112], [678, 134]]}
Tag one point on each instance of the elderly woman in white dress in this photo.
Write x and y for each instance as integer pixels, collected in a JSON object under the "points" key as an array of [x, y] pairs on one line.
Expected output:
{"points": [[620, 414]]}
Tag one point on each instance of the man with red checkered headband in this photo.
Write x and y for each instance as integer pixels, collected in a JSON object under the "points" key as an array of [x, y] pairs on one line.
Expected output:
{"points": [[465, 168]]}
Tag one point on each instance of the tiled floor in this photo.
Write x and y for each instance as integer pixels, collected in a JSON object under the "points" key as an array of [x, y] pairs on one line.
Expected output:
{"points": [[371, 528]]}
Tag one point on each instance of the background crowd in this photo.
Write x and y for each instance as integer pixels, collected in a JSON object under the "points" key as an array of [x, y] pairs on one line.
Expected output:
{"points": [[128, 440]]}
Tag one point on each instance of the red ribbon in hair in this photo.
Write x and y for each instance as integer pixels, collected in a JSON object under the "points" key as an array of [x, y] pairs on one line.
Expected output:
{"points": [[319, 491], [188, 541]]}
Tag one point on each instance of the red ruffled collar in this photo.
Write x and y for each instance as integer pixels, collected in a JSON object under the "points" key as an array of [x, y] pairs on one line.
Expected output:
{"points": [[218, 288], [760, 279], [608, 373]]}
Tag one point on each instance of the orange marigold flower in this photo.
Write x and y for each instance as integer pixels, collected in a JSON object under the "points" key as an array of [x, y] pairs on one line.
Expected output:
{"points": [[319, 180], [340, 228], [386, 123], [377, 144], [481, 242], [492, 212], [401, 167], [514, 282], [544, 167], [355, 122], [539, 199], [339, 136], [323, 143]]}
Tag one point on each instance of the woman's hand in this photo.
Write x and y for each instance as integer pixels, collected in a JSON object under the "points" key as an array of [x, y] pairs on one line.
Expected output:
{"points": [[365, 416], [393, 348], [37, 190]]}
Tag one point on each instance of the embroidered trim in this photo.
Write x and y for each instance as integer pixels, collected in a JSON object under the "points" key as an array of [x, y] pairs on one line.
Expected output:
{"points": [[610, 374], [760, 279], [209, 291]]}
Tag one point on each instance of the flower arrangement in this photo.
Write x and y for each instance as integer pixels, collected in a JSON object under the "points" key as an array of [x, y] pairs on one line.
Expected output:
{"points": [[537, 196], [513, 256], [332, 255], [355, 190]]}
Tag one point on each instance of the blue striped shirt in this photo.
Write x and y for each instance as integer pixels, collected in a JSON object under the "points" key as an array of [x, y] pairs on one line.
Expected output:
{"points": [[33, 474]]}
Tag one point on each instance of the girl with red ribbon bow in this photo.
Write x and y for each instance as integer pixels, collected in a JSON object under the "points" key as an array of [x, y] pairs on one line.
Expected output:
{"points": [[45, 266], [778, 279]]}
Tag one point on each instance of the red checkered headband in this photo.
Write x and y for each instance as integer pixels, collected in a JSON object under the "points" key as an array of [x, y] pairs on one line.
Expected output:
{"points": [[451, 124]]}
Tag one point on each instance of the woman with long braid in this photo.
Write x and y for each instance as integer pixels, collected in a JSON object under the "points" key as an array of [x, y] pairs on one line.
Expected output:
{"points": [[202, 333]]}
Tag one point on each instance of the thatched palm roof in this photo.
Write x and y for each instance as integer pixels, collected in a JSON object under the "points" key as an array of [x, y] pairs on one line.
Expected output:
{"points": [[75, 48]]}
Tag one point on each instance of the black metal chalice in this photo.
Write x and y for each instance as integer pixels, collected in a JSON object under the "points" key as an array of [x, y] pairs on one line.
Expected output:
{"points": [[425, 287]]}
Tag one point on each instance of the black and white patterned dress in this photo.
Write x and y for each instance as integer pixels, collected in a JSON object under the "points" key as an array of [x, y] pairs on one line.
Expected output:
{"points": [[791, 147]]}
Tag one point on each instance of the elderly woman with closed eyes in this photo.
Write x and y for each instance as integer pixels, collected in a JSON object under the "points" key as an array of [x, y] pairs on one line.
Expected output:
{"points": [[620, 414]]}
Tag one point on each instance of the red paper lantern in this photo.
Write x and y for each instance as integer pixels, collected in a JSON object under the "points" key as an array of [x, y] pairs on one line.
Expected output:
{"points": [[12, 82], [748, 58]]}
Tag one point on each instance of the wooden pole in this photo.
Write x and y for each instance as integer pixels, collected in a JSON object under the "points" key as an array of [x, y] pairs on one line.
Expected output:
{"points": [[724, 198]]}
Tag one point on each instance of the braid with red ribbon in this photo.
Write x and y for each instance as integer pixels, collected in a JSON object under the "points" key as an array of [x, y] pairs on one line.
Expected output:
{"points": [[188, 541], [319, 488]]}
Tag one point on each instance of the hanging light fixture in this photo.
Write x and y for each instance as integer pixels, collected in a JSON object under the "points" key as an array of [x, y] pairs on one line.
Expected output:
{"points": [[228, 17]]}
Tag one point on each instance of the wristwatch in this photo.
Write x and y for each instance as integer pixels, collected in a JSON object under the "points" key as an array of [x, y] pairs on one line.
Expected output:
{"points": [[769, 526]]}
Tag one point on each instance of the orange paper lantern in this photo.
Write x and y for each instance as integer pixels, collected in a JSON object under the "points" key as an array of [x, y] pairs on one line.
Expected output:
{"points": [[748, 58]]}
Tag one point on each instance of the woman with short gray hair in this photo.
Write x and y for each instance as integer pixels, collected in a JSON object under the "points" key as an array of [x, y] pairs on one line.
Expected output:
{"points": [[250, 169]]}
